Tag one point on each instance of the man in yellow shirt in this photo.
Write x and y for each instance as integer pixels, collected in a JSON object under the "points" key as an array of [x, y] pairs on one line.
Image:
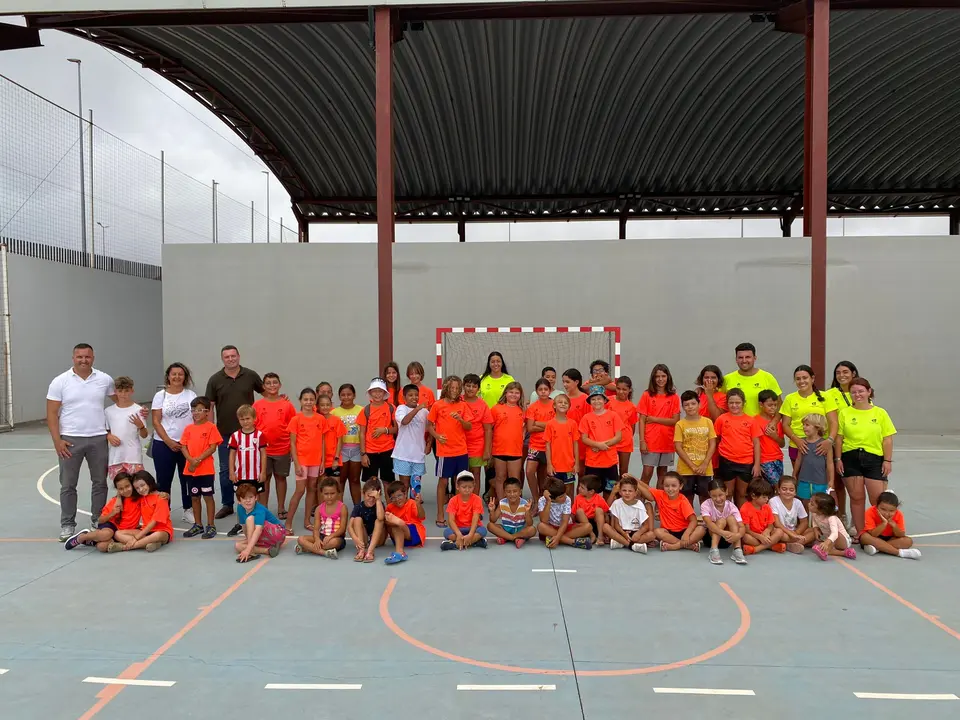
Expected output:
{"points": [[752, 380]]}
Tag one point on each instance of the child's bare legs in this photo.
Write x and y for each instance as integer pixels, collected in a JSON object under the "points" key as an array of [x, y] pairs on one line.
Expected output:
{"points": [[669, 542], [741, 492], [599, 518], [281, 493], [574, 531], [298, 493], [358, 533], [647, 474], [840, 493], [874, 488], [211, 508], [241, 545], [858, 499], [197, 509], [624, 458], [311, 505], [500, 475], [264, 497], [307, 543], [442, 485], [571, 489], [734, 527], [101, 535], [809, 537], [533, 479], [755, 542], [611, 532], [731, 488], [353, 470], [888, 546]]}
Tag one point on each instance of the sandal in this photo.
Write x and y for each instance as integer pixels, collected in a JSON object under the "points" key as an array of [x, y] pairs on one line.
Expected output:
{"points": [[361, 551], [281, 514], [441, 523], [394, 558], [368, 558]]}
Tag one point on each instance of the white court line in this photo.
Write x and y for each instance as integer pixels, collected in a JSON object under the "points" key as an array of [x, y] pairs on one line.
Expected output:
{"points": [[551, 570], [929, 450], [125, 681], [3, 672], [701, 691], [905, 696], [3, 450], [508, 688], [935, 534], [309, 686]]}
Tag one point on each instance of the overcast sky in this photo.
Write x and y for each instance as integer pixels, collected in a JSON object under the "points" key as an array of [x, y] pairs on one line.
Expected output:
{"points": [[128, 102]]}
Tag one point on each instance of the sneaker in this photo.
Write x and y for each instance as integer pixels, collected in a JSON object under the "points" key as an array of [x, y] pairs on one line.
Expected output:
{"points": [[331, 553], [715, 557], [74, 540], [795, 548], [908, 553], [871, 550], [188, 516], [749, 550], [639, 548], [501, 541], [850, 554], [235, 530], [448, 545], [614, 545], [66, 532], [274, 550], [737, 557], [152, 547], [209, 532], [194, 530], [779, 547], [298, 549], [583, 543], [481, 543], [114, 547]]}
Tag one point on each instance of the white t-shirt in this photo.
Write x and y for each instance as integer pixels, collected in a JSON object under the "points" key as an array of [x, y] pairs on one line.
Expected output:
{"points": [[411, 441], [130, 449], [81, 402], [175, 411], [631, 517], [790, 517]]}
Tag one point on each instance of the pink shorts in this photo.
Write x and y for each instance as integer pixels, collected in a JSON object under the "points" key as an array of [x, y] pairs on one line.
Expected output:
{"points": [[271, 535], [129, 468], [309, 471]]}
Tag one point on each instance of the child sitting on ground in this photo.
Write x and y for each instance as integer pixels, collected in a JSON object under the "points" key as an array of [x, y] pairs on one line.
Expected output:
{"points": [[404, 520], [367, 526], [514, 516], [263, 532], [762, 533], [121, 512], [329, 523], [885, 531], [630, 525], [832, 537], [555, 527], [157, 529], [464, 512], [678, 522], [723, 522], [590, 507], [790, 517]]}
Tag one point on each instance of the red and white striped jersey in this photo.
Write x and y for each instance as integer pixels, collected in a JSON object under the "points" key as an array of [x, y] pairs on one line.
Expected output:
{"points": [[248, 447]]}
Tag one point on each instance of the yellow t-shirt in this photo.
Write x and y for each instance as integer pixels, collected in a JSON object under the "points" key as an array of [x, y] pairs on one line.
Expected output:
{"points": [[839, 398], [694, 437], [864, 429], [349, 420], [751, 386], [795, 408], [492, 388]]}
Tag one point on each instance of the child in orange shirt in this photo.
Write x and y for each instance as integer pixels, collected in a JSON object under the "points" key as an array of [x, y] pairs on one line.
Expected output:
{"points": [[447, 423], [761, 530], [885, 531], [378, 428], [121, 512], [329, 524], [678, 522], [415, 374], [659, 410], [555, 527], [333, 433], [538, 415], [562, 438], [404, 520], [507, 436], [622, 405], [274, 414], [590, 507], [198, 444], [601, 431], [573, 387], [480, 434], [464, 512], [739, 446], [157, 529], [306, 447]]}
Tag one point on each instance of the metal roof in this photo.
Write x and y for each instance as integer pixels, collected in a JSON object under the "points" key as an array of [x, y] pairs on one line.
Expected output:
{"points": [[680, 114]]}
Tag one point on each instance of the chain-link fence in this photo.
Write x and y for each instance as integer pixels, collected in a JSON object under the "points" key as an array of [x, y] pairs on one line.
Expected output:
{"points": [[73, 192]]}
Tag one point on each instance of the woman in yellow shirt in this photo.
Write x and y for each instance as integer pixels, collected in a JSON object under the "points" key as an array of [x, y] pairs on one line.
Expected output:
{"points": [[839, 394], [807, 400], [863, 449]]}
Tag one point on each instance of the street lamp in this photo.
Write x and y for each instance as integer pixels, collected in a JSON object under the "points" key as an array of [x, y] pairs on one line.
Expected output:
{"points": [[103, 239], [83, 210], [265, 172]]}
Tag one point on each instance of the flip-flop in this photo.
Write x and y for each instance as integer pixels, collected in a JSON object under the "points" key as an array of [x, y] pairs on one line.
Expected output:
{"points": [[440, 524], [394, 558], [359, 555], [281, 514], [368, 558]]}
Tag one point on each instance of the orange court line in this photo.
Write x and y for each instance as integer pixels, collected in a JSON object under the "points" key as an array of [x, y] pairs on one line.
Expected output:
{"points": [[710, 654], [134, 671], [936, 545], [906, 603]]}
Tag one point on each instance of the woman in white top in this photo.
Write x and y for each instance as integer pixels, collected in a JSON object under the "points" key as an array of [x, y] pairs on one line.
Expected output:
{"points": [[171, 414]]}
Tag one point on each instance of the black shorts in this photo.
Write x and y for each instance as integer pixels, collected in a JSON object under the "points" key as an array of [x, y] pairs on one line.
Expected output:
{"points": [[676, 535], [331, 472], [593, 525], [508, 458], [200, 485], [723, 543], [860, 463], [342, 544], [537, 456], [107, 526], [380, 464], [734, 471], [261, 488], [696, 485], [610, 475]]}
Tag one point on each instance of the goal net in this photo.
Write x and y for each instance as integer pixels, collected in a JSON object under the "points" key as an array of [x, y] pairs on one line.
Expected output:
{"points": [[526, 351]]}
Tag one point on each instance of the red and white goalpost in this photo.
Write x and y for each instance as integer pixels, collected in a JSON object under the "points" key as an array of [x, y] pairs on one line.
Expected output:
{"points": [[526, 350]]}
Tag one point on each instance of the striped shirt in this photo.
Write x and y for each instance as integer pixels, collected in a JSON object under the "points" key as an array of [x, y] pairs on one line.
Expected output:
{"points": [[511, 521], [247, 447]]}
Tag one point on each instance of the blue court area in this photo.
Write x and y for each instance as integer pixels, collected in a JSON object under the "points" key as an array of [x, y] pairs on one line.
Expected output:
{"points": [[500, 632]]}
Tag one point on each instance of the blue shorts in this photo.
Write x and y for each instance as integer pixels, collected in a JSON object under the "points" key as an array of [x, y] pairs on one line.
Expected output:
{"points": [[409, 469], [481, 531], [415, 539], [772, 471], [568, 478], [450, 467], [511, 529], [806, 490]]}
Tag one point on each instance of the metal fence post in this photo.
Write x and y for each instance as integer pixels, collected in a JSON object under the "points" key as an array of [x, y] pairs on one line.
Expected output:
{"points": [[214, 211], [281, 229], [252, 221], [163, 204]]}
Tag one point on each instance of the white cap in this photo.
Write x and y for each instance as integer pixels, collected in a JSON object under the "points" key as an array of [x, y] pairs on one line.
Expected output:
{"points": [[377, 384], [465, 475]]}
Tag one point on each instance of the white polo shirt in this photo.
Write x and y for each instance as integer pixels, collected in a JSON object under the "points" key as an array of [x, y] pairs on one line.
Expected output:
{"points": [[82, 402]]}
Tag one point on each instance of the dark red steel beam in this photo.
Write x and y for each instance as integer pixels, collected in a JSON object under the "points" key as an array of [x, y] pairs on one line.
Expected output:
{"points": [[384, 19], [14, 37], [194, 18]]}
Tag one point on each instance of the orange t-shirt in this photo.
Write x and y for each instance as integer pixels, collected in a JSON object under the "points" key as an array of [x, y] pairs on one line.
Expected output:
{"points": [[408, 514], [463, 512], [872, 520], [309, 433], [756, 520], [441, 415], [541, 412], [129, 518], [736, 434], [561, 436], [273, 419], [154, 508], [507, 430], [579, 408], [769, 449], [719, 399], [380, 417], [196, 439], [426, 397], [674, 514], [480, 415], [628, 413], [601, 428], [589, 506], [333, 430], [659, 438]]}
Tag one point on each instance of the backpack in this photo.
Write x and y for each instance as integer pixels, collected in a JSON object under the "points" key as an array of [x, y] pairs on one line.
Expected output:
{"points": [[366, 413]]}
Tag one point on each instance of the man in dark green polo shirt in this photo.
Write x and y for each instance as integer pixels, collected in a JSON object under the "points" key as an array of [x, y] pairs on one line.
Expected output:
{"points": [[228, 389]]}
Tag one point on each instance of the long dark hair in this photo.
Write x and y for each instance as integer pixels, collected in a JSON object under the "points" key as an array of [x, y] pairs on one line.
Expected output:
{"points": [[716, 371], [813, 377], [395, 385], [486, 370], [847, 364], [574, 375], [187, 377], [670, 389]]}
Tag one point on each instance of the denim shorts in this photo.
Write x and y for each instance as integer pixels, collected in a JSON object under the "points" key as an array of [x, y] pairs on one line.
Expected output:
{"points": [[350, 453], [409, 469]]}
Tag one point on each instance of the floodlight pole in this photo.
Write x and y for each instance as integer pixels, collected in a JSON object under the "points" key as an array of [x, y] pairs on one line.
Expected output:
{"points": [[384, 35]]}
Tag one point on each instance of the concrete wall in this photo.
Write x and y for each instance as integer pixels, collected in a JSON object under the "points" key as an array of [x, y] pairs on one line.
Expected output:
{"points": [[54, 306], [309, 311]]}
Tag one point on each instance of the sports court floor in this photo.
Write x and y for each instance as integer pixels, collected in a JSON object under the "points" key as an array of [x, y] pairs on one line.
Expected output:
{"points": [[481, 634]]}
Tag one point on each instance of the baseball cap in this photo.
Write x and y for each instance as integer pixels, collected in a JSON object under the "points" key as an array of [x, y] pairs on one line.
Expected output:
{"points": [[377, 384]]}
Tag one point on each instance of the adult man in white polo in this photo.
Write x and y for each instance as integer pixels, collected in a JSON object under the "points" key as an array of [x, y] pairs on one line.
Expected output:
{"points": [[78, 427]]}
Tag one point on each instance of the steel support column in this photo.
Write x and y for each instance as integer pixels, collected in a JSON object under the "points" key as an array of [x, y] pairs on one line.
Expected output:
{"points": [[815, 172], [384, 36], [462, 229], [955, 222]]}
